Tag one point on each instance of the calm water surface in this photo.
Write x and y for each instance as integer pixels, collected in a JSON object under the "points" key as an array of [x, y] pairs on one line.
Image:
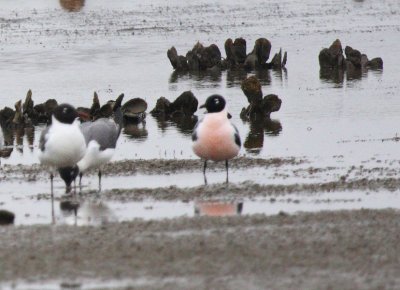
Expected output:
{"points": [[114, 47]]}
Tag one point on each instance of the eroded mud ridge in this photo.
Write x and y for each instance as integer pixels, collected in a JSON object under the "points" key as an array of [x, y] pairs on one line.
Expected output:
{"points": [[327, 250], [276, 177], [154, 166]]}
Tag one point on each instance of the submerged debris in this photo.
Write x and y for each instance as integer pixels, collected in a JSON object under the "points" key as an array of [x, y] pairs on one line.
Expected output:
{"points": [[258, 114], [6, 217], [202, 58], [333, 63], [260, 107], [134, 110], [179, 112], [186, 104]]}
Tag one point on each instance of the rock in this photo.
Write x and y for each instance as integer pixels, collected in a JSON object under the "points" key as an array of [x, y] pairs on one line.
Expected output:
{"points": [[180, 112], [45, 110], [259, 108], [163, 107], [375, 63], [6, 217], [210, 57], [203, 58], [178, 62], [95, 108], [271, 103], [353, 55], [251, 87], [325, 59], [18, 117], [276, 61], [262, 48], [284, 61], [333, 56], [84, 114], [106, 111], [364, 60], [354, 63], [230, 53], [6, 117], [28, 109], [336, 50], [134, 109], [185, 103], [259, 55], [239, 46]]}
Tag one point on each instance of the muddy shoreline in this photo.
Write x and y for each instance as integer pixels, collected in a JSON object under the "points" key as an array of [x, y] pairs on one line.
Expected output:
{"points": [[326, 250], [158, 166], [285, 176]]}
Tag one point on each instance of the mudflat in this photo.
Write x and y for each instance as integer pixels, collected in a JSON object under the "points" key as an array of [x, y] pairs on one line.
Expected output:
{"points": [[356, 249]]}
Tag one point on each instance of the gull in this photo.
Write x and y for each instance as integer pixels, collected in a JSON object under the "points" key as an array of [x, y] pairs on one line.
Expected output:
{"points": [[215, 137], [101, 138], [62, 143]]}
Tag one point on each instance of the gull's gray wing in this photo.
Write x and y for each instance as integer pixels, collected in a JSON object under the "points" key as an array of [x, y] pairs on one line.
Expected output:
{"points": [[237, 136], [42, 140], [104, 131]]}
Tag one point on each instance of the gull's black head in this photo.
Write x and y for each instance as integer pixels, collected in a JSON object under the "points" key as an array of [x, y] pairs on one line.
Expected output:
{"points": [[68, 174], [214, 104], [65, 113]]}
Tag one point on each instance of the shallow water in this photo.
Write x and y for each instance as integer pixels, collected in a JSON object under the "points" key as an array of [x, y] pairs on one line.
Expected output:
{"points": [[121, 47], [80, 211]]}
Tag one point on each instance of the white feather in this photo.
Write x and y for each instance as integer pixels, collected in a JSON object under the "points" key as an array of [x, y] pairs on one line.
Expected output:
{"points": [[64, 145]]}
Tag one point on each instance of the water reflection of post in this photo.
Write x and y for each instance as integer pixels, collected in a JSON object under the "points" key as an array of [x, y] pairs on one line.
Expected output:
{"points": [[255, 139], [235, 77], [136, 131], [335, 75], [218, 208], [72, 5], [8, 148], [212, 76], [183, 123]]}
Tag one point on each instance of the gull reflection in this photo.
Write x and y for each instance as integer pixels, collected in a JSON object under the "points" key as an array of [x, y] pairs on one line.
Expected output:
{"points": [[84, 212], [218, 208]]}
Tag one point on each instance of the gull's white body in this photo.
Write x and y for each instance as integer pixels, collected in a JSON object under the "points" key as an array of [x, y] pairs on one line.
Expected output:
{"points": [[94, 157], [101, 137], [64, 145], [215, 138]]}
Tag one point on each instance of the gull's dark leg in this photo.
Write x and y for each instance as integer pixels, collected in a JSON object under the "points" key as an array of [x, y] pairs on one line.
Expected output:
{"points": [[53, 219], [227, 171], [99, 180], [53, 216], [51, 183], [80, 180], [204, 172]]}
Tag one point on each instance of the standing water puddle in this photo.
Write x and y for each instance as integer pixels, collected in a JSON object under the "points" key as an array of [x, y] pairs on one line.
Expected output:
{"points": [[95, 211]]}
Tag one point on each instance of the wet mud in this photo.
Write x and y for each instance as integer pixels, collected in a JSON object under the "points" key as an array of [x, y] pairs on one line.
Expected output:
{"points": [[329, 144], [327, 250]]}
